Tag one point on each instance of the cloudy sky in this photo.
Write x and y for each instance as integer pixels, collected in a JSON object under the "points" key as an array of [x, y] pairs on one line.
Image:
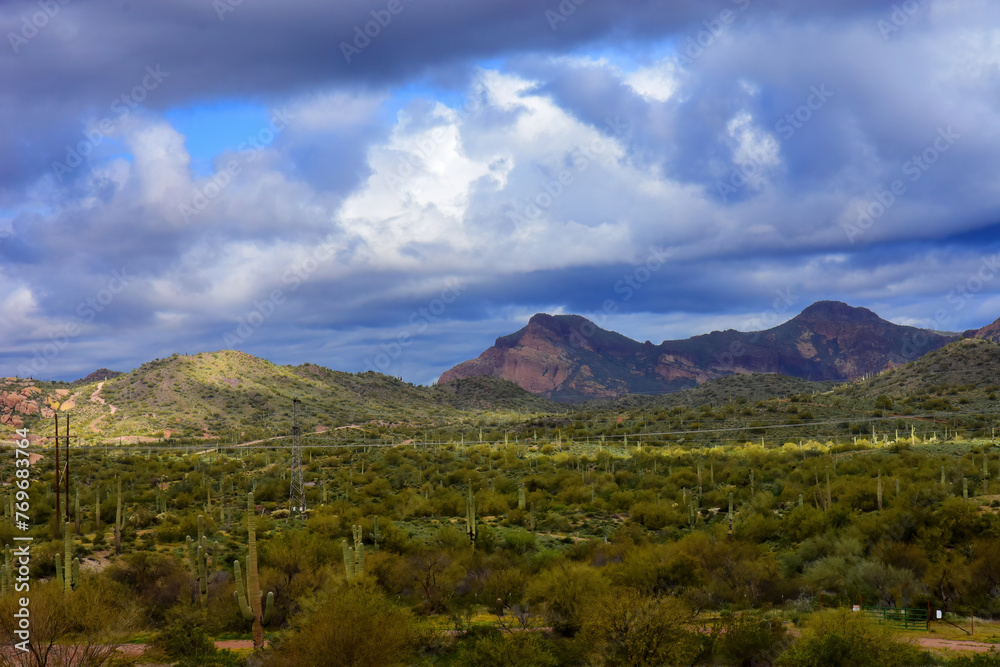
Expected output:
{"points": [[392, 184]]}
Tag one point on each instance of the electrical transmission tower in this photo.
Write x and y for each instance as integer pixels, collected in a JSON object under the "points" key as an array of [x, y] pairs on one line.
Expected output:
{"points": [[297, 489]]}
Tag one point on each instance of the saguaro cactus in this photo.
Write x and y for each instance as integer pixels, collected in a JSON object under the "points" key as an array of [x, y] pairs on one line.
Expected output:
{"points": [[521, 497], [470, 516], [354, 558], [249, 595], [118, 521], [829, 497], [879, 490], [67, 568], [198, 562], [375, 534], [730, 533]]}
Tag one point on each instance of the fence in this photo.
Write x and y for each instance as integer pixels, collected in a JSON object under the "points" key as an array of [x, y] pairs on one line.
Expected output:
{"points": [[904, 619]]}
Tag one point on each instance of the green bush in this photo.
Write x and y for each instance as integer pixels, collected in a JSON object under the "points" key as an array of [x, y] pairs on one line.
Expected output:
{"points": [[748, 638], [848, 638], [522, 649]]}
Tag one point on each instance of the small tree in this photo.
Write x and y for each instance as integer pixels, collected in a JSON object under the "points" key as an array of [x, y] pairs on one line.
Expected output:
{"points": [[354, 625], [625, 627]]}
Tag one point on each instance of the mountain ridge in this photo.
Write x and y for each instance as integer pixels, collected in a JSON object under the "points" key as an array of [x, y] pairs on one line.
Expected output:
{"points": [[569, 358]]}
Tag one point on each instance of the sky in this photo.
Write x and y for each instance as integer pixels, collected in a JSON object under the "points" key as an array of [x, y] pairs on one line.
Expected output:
{"points": [[390, 185]]}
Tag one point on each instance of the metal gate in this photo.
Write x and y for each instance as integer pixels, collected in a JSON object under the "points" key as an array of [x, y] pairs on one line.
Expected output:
{"points": [[904, 619]]}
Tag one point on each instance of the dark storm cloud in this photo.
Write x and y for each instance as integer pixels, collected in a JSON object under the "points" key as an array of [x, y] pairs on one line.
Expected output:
{"points": [[88, 54], [455, 209]]}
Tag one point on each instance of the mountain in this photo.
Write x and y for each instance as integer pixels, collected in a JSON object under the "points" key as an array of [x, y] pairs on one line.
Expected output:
{"points": [[569, 358], [230, 393], [966, 369]]}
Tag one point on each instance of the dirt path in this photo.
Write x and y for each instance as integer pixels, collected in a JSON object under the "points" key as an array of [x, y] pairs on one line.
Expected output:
{"points": [[237, 644], [136, 650], [955, 644], [96, 398]]}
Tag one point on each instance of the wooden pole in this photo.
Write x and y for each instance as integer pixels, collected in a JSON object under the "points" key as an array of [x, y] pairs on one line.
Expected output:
{"points": [[67, 467], [58, 504]]}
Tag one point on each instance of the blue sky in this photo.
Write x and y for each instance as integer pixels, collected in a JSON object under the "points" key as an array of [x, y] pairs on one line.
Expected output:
{"points": [[183, 179]]}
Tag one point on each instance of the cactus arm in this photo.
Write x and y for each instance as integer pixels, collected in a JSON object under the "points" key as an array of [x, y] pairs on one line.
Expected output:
{"points": [[240, 595]]}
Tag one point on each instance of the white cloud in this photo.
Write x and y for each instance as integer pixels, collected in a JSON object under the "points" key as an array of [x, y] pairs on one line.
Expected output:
{"points": [[657, 83]]}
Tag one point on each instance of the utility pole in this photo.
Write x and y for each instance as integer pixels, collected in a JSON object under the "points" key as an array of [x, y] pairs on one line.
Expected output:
{"points": [[297, 489], [58, 504], [67, 466]]}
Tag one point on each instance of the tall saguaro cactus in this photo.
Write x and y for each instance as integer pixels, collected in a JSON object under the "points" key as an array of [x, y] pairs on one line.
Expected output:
{"points": [[879, 490], [249, 595], [729, 535], [118, 521], [67, 568], [354, 558], [470, 516], [375, 534], [198, 562]]}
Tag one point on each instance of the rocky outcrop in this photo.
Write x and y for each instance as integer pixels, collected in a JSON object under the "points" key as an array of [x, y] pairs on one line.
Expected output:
{"points": [[990, 332], [14, 404]]}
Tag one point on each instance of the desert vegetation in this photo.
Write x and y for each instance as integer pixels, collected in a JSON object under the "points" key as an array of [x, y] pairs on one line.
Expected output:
{"points": [[734, 524]]}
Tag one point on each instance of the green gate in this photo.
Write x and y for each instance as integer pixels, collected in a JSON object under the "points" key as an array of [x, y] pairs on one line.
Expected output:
{"points": [[904, 619]]}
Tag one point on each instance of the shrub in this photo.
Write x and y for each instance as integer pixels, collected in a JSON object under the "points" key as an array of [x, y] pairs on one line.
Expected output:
{"points": [[748, 638], [625, 627], [844, 637], [523, 649], [354, 625]]}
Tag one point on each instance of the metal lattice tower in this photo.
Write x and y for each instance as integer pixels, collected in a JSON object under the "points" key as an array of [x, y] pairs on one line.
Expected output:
{"points": [[297, 489]]}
